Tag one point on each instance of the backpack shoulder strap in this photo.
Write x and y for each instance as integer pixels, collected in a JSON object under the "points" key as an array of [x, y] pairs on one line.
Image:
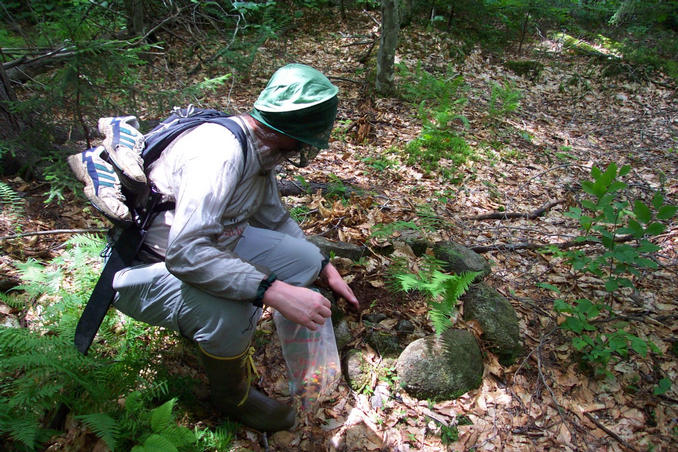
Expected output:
{"points": [[184, 119]]}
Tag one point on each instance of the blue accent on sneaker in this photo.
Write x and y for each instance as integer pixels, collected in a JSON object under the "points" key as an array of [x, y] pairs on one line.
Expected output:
{"points": [[100, 175]]}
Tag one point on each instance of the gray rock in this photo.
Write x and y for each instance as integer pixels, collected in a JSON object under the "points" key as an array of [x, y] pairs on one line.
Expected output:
{"points": [[458, 259], [357, 370], [441, 368], [497, 318], [415, 240], [375, 317], [379, 397], [342, 334], [341, 249], [384, 342], [405, 327]]}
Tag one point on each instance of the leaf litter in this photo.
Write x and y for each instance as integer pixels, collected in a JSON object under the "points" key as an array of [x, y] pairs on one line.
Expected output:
{"points": [[568, 120]]}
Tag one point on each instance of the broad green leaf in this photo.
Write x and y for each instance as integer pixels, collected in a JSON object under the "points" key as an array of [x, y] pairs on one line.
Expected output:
{"points": [[574, 212], [589, 204], [161, 417], [657, 200], [645, 263], [655, 229], [562, 306], [642, 212], [616, 186], [625, 282], [624, 253], [573, 324], [662, 387], [548, 286], [595, 172], [579, 343], [666, 212], [611, 285], [624, 170], [635, 228], [638, 345], [158, 443]]}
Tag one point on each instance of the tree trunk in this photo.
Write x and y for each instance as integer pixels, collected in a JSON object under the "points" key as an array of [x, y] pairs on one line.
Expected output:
{"points": [[390, 26], [134, 10], [405, 13], [9, 123]]}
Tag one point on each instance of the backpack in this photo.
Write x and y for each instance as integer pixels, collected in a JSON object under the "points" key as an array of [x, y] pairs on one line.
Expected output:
{"points": [[115, 184]]}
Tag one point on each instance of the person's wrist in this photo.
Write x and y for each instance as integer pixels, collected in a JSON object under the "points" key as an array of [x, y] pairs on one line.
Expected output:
{"points": [[264, 286]]}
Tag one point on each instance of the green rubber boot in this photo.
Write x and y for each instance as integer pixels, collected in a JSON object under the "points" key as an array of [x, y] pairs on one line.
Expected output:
{"points": [[230, 379]]}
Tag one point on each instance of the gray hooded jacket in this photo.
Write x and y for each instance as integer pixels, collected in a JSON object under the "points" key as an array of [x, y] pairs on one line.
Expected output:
{"points": [[217, 194]]}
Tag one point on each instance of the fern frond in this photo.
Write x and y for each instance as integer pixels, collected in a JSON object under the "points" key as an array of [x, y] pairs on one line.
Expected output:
{"points": [[440, 320], [12, 300], [11, 204], [104, 426], [408, 281], [24, 430], [456, 286]]}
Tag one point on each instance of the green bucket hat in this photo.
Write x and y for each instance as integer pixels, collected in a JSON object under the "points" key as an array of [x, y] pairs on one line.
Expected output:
{"points": [[300, 102]]}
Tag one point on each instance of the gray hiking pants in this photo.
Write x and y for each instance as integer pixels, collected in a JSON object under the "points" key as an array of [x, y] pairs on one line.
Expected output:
{"points": [[222, 327]]}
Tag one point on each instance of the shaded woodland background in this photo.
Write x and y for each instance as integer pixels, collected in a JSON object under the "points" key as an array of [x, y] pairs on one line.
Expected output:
{"points": [[473, 121]]}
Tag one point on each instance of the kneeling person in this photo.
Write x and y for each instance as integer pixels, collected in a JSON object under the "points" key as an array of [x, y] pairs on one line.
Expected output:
{"points": [[229, 246]]}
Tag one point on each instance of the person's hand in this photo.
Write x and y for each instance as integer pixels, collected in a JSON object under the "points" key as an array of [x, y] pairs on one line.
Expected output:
{"points": [[330, 276], [298, 304]]}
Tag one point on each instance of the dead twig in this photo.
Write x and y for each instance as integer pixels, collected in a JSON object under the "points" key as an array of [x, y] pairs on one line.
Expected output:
{"points": [[54, 231], [542, 377], [537, 246], [609, 432], [509, 215]]}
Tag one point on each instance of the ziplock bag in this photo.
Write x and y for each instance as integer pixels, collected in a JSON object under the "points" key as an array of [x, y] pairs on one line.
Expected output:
{"points": [[312, 360]]}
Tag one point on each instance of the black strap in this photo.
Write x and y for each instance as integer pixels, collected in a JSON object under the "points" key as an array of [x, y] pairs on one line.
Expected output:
{"points": [[122, 255]]}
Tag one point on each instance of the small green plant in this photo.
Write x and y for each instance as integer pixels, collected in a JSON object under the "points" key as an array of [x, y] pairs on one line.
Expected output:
{"points": [[12, 205], [389, 376], [449, 434], [40, 369], [441, 101], [336, 188], [603, 218], [380, 163], [218, 439], [442, 292], [299, 213], [386, 230], [504, 99]]}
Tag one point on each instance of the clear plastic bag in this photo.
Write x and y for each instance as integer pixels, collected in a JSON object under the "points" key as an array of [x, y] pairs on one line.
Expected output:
{"points": [[312, 360]]}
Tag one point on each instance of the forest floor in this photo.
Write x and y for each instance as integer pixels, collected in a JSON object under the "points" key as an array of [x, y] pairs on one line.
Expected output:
{"points": [[570, 118]]}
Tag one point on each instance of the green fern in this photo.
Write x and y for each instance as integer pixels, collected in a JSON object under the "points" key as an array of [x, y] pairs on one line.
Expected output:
{"points": [[442, 291], [12, 205], [104, 426]]}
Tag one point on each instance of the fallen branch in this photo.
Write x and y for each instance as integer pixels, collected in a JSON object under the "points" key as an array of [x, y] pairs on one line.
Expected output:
{"points": [[54, 231], [537, 246], [508, 215], [609, 432]]}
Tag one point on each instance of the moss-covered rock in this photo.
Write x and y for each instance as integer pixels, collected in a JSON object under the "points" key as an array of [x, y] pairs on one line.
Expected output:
{"points": [[497, 318], [525, 68], [458, 259], [441, 368], [384, 342], [356, 370], [341, 249]]}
